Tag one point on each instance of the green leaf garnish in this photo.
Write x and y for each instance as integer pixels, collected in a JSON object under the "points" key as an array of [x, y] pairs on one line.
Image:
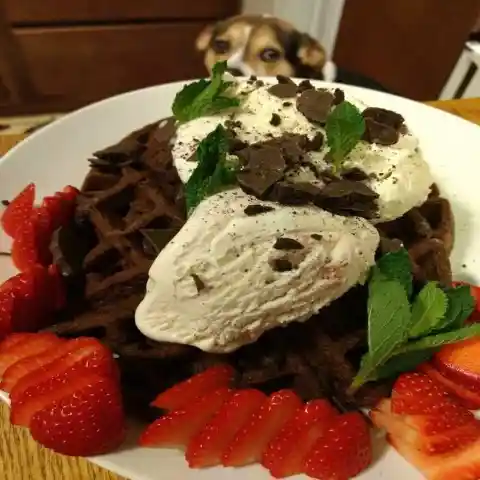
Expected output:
{"points": [[404, 333], [214, 171], [345, 127], [205, 97], [428, 310]]}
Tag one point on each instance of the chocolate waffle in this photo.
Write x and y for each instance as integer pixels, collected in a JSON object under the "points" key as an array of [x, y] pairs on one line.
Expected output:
{"points": [[132, 187]]}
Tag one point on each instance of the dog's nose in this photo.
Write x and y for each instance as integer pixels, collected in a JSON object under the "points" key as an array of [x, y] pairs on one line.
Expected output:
{"points": [[235, 72]]}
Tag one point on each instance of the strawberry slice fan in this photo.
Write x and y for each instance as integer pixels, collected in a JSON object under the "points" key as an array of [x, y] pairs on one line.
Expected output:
{"points": [[29, 300]]}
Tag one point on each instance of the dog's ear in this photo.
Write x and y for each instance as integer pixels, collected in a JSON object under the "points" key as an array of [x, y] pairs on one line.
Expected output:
{"points": [[311, 53], [203, 40]]}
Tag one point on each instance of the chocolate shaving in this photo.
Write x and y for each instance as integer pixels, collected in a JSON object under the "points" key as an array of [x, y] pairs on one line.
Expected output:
{"points": [[285, 243], [316, 143], [276, 120], [305, 85], [283, 90], [315, 105], [281, 265], [386, 117], [287, 193], [338, 96], [355, 174], [284, 80], [257, 209], [199, 283], [382, 126]]}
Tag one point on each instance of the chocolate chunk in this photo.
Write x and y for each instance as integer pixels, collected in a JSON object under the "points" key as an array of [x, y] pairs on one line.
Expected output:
{"points": [[257, 209], [386, 117], [317, 236], [380, 133], [316, 143], [344, 188], [283, 90], [199, 283], [315, 105], [355, 174], [260, 83], [5, 203], [287, 193], [281, 265], [338, 96], [305, 85], [265, 167], [285, 243], [285, 80], [276, 120]]}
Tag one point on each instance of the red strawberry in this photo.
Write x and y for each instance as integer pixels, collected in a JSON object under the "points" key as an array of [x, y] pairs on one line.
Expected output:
{"points": [[57, 209], [252, 440], [85, 354], [6, 312], [343, 451], [178, 427], [33, 346], [206, 448], [14, 339], [196, 386], [87, 419], [35, 363], [285, 454], [29, 246], [18, 211], [468, 398]]}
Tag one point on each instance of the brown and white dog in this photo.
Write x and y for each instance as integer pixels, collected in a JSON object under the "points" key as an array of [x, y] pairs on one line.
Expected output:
{"points": [[264, 46]]}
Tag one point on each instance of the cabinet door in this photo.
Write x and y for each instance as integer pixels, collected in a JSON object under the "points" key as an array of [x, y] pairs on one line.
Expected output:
{"points": [[53, 11], [409, 46]]}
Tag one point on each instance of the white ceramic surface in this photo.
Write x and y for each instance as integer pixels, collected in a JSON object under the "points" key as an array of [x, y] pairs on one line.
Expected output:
{"points": [[57, 155]]}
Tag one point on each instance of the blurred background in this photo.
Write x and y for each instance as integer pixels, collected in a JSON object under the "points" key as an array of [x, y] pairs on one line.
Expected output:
{"points": [[57, 55]]}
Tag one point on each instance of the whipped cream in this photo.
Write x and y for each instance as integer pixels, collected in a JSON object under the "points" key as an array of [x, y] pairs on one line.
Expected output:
{"points": [[398, 173], [226, 278]]}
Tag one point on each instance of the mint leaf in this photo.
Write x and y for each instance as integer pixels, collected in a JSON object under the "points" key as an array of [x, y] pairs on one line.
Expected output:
{"points": [[205, 97], [461, 305], [345, 127], [397, 266], [404, 362], [388, 322], [214, 172], [428, 310], [440, 339]]}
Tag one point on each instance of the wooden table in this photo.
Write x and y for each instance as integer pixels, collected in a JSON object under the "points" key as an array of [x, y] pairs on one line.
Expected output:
{"points": [[22, 459]]}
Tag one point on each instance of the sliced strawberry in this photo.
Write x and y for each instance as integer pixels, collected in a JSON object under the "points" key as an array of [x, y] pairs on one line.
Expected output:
{"points": [[178, 427], [35, 363], [206, 448], [57, 209], [28, 246], [285, 454], [416, 393], [13, 339], [196, 386], [70, 193], [252, 440], [6, 314], [461, 362], [468, 398], [343, 451], [33, 346], [85, 419], [18, 211], [460, 464], [86, 355]]}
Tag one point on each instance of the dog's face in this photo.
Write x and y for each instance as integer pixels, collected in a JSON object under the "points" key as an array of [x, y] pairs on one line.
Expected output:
{"points": [[264, 46]]}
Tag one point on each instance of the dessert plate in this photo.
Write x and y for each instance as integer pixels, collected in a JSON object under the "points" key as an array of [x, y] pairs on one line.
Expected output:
{"points": [[57, 155]]}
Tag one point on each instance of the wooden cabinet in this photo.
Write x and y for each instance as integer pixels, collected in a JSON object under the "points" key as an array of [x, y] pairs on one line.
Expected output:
{"points": [[56, 55]]}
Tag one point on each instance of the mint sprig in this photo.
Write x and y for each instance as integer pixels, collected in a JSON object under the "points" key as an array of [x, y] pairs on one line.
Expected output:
{"points": [[345, 127], [214, 171], [404, 332], [204, 97]]}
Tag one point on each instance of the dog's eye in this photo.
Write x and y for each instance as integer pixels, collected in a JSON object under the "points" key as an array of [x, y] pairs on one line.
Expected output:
{"points": [[221, 46], [270, 55]]}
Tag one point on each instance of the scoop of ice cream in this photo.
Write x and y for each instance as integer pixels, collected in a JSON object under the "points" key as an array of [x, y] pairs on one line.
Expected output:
{"points": [[398, 172], [241, 266]]}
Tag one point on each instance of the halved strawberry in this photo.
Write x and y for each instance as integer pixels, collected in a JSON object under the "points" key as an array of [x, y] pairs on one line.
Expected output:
{"points": [[28, 248], [196, 386], [343, 451], [6, 312], [85, 417], [468, 398], [34, 363], [14, 339], [285, 454], [460, 464], [206, 448], [178, 427], [19, 210], [33, 346], [252, 440]]}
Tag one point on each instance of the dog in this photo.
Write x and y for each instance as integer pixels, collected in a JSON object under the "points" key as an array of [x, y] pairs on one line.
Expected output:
{"points": [[264, 45]]}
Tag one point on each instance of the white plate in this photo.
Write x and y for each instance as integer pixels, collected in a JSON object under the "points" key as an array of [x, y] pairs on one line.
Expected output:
{"points": [[57, 155]]}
